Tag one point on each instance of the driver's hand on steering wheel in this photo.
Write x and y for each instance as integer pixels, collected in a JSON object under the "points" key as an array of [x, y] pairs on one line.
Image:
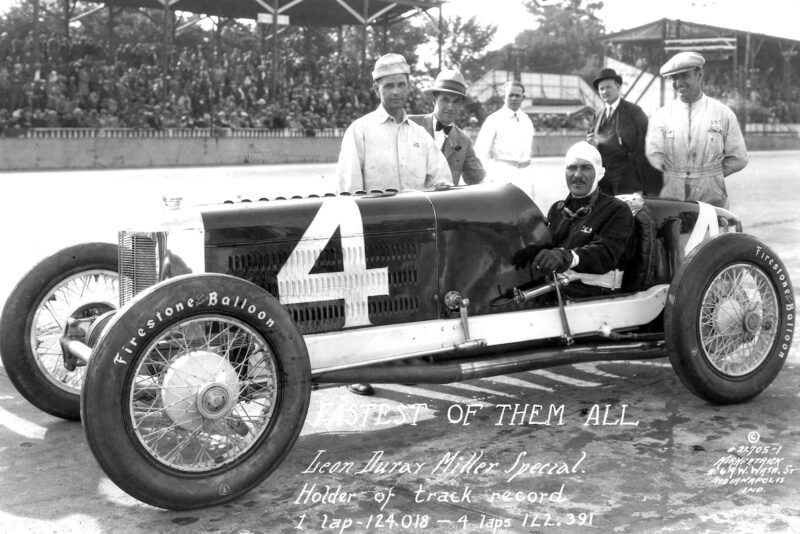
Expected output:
{"points": [[553, 259]]}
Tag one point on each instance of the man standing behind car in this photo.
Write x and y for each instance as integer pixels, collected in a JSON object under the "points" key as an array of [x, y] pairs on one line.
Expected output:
{"points": [[592, 231], [695, 139], [618, 133], [505, 141], [449, 90], [383, 149]]}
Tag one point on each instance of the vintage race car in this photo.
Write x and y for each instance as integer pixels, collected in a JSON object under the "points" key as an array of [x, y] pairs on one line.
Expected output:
{"points": [[190, 349]]}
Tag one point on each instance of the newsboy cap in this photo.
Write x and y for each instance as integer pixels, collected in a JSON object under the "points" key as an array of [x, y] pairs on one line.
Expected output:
{"points": [[607, 74], [682, 62], [448, 81], [389, 64]]}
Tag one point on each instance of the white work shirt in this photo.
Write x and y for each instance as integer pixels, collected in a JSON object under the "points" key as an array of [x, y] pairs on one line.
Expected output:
{"points": [[379, 153], [696, 145], [504, 141], [505, 135]]}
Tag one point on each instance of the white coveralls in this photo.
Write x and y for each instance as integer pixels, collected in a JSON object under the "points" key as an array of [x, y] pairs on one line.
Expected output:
{"points": [[696, 145]]}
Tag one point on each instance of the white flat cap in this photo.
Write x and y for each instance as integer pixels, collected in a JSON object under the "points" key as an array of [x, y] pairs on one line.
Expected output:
{"points": [[682, 62], [389, 64]]}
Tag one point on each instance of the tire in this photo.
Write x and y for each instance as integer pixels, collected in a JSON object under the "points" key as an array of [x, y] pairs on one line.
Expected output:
{"points": [[728, 319], [77, 282], [196, 391]]}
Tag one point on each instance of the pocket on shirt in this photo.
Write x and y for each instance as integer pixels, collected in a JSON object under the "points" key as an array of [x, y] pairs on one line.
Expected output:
{"points": [[669, 147], [715, 144]]}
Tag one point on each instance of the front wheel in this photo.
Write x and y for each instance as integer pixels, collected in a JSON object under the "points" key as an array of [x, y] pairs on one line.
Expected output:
{"points": [[77, 284], [196, 391], [728, 319]]}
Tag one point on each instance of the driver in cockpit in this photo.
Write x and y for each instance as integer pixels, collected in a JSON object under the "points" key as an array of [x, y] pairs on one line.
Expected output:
{"points": [[592, 231]]}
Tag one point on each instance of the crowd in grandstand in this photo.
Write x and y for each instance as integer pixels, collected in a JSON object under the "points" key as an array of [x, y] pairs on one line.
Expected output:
{"points": [[82, 82]]}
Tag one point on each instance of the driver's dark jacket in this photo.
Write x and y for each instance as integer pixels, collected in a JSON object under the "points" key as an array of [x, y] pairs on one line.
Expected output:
{"points": [[602, 239]]}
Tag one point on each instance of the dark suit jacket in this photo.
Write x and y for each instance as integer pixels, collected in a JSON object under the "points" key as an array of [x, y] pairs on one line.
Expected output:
{"points": [[630, 126], [458, 150]]}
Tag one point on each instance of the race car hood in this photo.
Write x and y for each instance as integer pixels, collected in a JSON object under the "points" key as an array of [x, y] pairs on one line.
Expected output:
{"points": [[423, 244]]}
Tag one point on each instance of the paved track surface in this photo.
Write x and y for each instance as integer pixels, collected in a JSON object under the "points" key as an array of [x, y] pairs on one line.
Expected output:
{"points": [[658, 469]]}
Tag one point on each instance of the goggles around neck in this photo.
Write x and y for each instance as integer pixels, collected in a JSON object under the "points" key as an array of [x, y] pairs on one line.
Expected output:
{"points": [[580, 213], [583, 211]]}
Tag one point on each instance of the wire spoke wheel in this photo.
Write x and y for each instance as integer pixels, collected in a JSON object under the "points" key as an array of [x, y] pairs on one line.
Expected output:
{"points": [[191, 400], [204, 393], [738, 319], [729, 319], [71, 292], [82, 296]]}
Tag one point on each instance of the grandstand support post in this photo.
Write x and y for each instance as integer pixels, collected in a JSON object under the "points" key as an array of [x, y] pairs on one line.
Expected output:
{"points": [[440, 37], [262, 39], [165, 59], [67, 15], [36, 58], [273, 83], [745, 83], [112, 38], [365, 17], [787, 54]]}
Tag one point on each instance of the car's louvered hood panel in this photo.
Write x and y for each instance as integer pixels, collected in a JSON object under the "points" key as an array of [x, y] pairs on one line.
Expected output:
{"points": [[394, 235]]}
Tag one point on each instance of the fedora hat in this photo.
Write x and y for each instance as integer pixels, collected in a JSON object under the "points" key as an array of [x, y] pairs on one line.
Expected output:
{"points": [[448, 81], [607, 74]]}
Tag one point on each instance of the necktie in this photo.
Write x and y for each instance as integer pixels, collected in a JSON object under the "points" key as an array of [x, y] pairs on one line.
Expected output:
{"points": [[608, 112], [440, 126]]}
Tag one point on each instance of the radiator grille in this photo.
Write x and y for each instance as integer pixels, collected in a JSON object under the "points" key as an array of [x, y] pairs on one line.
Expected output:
{"points": [[138, 264], [399, 253]]}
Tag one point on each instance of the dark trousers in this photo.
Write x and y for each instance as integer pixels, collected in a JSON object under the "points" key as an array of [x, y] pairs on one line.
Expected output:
{"points": [[620, 179]]}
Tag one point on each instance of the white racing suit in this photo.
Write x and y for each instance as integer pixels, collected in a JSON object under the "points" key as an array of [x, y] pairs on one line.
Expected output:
{"points": [[696, 145]]}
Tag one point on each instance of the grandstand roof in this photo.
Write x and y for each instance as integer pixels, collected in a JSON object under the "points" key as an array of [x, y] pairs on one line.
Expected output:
{"points": [[659, 30], [300, 12], [749, 54]]}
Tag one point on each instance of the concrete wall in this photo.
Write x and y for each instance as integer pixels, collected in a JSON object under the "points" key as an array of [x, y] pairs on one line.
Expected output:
{"points": [[100, 153]]}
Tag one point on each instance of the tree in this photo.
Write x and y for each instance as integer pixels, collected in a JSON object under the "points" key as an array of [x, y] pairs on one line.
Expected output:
{"points": [[566, 37], [463, 45], [401, 37]]}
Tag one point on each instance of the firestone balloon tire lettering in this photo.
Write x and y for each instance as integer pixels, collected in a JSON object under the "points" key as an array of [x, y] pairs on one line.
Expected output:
{"points": [[729, 319], [203, 405]]}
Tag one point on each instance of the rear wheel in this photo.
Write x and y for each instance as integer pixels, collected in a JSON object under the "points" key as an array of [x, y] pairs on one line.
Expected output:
{"points": [[728, 319], [78, 284], [197, 392]]}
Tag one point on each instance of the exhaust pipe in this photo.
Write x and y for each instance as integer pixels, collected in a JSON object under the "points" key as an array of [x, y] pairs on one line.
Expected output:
{"points": [[445, 372]]}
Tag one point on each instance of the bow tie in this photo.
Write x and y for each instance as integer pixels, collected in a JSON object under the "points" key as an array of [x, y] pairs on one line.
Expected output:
{"points": [[440, 126]]}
